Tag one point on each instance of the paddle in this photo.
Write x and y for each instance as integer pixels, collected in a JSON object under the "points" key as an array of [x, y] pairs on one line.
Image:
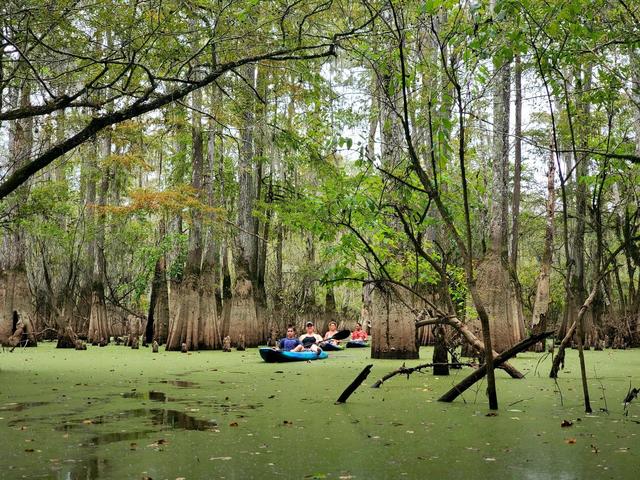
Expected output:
{"points": [[340, 335]]}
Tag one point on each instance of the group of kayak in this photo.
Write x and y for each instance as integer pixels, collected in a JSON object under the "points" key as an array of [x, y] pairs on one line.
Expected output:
{"points": [[311, 346]]}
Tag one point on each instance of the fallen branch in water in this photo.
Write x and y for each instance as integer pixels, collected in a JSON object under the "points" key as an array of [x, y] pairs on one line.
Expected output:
{"points": [[461, 387], [354, 385], [468, 336], [633, 393], [408, 371]]}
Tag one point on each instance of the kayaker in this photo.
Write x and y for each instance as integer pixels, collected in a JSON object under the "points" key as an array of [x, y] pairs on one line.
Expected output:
{"points": [[359, 334], [311, 334], [333, 329], [290, 342]]}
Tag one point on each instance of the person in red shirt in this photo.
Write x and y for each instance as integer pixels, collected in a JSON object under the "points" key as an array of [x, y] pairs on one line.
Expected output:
{"points": [[358, 334]]}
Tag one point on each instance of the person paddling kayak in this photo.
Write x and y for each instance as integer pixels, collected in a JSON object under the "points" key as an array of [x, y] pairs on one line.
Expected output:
{"points": [[358, 334], [290, 342], [309, 340], [333, 329]]}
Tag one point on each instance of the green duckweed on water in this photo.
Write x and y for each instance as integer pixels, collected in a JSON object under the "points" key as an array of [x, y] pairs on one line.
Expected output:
{"points": [[117, 413]]}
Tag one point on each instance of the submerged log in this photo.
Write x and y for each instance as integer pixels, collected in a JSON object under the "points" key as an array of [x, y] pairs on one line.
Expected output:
{"points": [[461, 387], [632, 394], [354, 385]]}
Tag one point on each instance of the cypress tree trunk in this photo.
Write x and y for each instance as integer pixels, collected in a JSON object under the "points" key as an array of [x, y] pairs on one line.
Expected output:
{"points": [[392, 325], [98, 320], [517, 170], [495, 286], [210, 261], [578, 284], [195, 321], [15, 294], [393, 333], [244, 325], [440, 354], [158, 318], [542, 300]]}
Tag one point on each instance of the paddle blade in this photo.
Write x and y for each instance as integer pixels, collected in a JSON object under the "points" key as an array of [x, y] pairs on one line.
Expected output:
{"points": [[308, 341], [341, 335]]}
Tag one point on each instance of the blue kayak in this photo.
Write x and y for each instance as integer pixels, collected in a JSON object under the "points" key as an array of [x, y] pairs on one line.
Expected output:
{"points": [[270, 355], [332, 347], [357, 344]]}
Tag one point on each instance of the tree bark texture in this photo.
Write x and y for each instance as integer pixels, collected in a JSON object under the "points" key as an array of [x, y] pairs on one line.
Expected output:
{"points": [[393, 332], [543, 299]]}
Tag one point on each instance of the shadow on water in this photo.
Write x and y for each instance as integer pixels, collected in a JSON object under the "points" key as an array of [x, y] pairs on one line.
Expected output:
{"points": [[113, 437], [181, 383], [152, 395], [19, 407], [180, 420], [164, 418], [90, 469]]}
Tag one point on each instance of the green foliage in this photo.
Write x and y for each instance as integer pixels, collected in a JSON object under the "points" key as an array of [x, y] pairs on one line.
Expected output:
{"points": [[311, 125]]}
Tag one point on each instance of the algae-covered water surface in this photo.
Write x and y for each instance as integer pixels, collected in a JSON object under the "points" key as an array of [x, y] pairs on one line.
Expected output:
{"points": [[116, 413]]}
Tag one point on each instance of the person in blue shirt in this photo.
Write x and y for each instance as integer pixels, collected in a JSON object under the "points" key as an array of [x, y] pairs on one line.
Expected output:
{"points": [[290, 342]]}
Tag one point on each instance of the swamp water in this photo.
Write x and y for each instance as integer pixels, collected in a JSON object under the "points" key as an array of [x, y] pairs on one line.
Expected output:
{"points": [[117, 413]]}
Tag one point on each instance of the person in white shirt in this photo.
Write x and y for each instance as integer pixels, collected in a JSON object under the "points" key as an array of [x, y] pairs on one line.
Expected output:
{"points": [[312, 341]]}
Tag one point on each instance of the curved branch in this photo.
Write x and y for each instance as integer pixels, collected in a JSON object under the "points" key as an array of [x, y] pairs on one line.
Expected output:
{"points": [[22, 174]]}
